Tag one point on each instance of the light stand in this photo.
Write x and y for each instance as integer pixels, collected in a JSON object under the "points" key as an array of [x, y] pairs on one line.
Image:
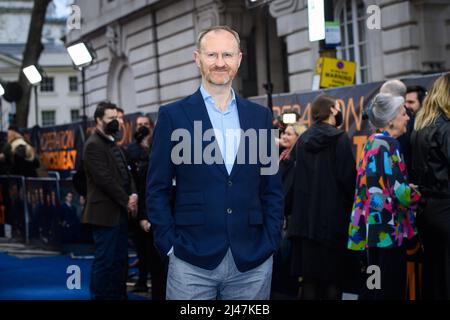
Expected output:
{"points": [[34, 75], [82, 56]]}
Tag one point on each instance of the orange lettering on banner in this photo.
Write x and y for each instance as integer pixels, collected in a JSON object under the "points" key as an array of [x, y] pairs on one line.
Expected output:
{"points": [[296, 107], [349, 114], [60, 140], [344, 125], [70, 141], [359, 141], [279, 110], [357, 118], [59, 160], [306, 116]]}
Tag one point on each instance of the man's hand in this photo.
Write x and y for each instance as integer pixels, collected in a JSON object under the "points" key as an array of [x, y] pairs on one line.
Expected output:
{"points": [[145, 225], [132, 205]]}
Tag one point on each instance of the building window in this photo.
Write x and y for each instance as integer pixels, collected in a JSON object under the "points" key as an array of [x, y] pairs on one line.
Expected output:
{"points": [[73, 84], [47, 84], [352, 17], [48, 118], [75, 115]]}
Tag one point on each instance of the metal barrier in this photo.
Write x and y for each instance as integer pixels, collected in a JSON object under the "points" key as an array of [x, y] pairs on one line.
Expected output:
{"points": [[14, 207], [43, 211], [54, 174]]}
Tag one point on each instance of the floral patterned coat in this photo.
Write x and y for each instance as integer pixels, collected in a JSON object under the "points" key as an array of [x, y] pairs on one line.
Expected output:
{"points": [[383, 211]]}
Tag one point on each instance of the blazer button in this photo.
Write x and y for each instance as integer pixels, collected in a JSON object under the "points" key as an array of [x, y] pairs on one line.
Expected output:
{"points": [[229, 210], [230, 183]]}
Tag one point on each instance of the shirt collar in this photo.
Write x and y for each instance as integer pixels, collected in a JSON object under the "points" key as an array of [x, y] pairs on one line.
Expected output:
{"points": [[208, 99]]}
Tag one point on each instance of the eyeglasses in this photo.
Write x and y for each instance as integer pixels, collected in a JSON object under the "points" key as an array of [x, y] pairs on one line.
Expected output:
{"points": [[226, 56]]}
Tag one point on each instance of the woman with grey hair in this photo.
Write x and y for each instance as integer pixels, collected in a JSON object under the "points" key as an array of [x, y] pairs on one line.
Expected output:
{"points": [[382, 216]]}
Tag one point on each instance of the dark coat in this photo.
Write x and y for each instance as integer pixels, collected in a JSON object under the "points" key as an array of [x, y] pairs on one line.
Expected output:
{"points": [[137, 157], [405, 140], [431, 159], [214, 211], [106, 195], [287, 173], [324, 185]]}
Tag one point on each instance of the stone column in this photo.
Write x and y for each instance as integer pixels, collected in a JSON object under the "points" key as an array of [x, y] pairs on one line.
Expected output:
{"points": [[292, 24]]}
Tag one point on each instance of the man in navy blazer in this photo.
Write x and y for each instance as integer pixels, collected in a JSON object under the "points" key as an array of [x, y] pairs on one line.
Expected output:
{"points": [[223, 226]]}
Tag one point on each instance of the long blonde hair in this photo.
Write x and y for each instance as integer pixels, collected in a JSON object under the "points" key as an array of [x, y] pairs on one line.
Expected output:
{"points": [[299, 129], [436, 102]]}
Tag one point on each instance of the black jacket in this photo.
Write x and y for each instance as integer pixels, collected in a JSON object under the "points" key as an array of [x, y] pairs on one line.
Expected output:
{"points": [[405, 140], [287, 173], [324, 185], [138, 158], [106, 195], [431, 159]]}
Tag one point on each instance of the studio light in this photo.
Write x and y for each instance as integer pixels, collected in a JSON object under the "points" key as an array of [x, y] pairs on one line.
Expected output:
{"points": [[289, 117], [34, 76], [80, 54]]}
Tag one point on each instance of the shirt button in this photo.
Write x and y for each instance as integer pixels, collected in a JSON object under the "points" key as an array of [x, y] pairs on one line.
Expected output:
{"points": [[229, 210], [230, 183]]}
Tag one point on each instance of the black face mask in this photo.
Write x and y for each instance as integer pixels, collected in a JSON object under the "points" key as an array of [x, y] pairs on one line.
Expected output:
{"points": [[339, 118], [141, 133], [111, 127]]}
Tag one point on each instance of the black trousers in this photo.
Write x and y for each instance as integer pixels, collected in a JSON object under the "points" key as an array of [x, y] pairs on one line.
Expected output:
{"points": [[150, 262], [108, 273], [391, 263], [434, 230]]}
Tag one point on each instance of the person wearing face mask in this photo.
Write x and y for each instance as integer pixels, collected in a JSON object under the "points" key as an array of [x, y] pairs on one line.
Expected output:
{"points": [[149, 260], [382, 217], [111, 197], [322, 197]]}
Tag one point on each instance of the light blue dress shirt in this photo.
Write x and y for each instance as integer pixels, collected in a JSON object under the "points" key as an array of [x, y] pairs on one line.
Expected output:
{"points": [[226, 127]]}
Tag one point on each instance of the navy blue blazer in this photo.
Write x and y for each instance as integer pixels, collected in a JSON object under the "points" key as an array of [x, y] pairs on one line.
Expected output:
{"points": [[213, 211]]}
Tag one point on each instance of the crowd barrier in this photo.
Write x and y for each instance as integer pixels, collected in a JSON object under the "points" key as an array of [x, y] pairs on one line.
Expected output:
{"points": [[42, 211]]}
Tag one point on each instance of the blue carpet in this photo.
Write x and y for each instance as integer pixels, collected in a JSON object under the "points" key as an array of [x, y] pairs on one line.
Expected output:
{"points": [[43, 278]]}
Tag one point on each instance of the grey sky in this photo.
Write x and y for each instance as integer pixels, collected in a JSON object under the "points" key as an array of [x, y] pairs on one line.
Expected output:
{"points": [[63, 7]]}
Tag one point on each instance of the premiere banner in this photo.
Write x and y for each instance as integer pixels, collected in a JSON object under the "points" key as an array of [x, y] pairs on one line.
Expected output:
{"points": [[60, 147], [352, 99]]}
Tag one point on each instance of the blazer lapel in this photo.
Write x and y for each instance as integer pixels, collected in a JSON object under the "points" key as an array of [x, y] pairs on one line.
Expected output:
{"points": [[195, 110], [245, 121]]}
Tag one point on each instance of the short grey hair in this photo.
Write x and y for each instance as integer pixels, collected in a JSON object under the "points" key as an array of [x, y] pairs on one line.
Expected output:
{"points": [[215, 28], [384, 108], [394, 87]]}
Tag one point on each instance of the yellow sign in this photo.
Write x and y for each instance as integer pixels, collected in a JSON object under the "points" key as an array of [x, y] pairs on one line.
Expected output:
{"points": [[335, 73]]}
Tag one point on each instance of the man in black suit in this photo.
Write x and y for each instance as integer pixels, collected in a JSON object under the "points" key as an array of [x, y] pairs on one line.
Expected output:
{"points": [[111, 195]]}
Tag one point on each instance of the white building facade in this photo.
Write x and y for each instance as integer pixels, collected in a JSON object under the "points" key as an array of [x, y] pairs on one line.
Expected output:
{"points": [[145, 47], [59, 97]]}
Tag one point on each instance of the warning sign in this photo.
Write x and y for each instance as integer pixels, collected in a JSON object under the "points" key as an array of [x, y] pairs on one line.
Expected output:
{"points": [[335, 73]]}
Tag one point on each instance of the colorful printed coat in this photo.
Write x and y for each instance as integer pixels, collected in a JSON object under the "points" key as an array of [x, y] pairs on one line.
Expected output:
{"points": [[383, 211]]}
